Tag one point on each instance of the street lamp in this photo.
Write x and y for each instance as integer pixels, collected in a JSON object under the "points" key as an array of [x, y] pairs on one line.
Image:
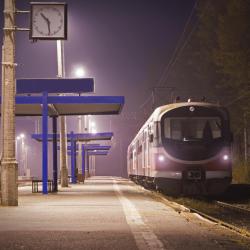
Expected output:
{"points": [[79, 72]]}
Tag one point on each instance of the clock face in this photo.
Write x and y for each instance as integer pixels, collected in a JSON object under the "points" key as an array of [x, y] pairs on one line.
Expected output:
{"points": [[48, 21]]}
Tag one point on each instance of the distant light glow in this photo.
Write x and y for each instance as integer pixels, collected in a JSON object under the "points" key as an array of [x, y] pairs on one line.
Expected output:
{"points": [[161, 158], [80, 72], [192, 109], [22, 135], [92, 124], [93, 131], [225, 157], [18, 138]]}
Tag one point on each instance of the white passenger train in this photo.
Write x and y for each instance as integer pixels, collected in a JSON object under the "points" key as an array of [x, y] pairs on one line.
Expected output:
{"points": [[183, 148]]}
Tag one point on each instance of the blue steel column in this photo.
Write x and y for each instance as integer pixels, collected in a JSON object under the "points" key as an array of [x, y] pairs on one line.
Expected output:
{"points": [[83, 161], [87, 165], [45, 143], [72, 154], [75, 163], [54, 125]]}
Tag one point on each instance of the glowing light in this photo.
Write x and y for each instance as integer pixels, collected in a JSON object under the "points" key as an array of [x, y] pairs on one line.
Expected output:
{"points": [[192, 109], [93, 131], [18, 138], [225, 157], [161, 158], [92, 124], [80, 72], [22, 135]]}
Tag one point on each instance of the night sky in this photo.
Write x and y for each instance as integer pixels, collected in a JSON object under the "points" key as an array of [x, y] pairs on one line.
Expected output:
{"points": [[124, 45]]}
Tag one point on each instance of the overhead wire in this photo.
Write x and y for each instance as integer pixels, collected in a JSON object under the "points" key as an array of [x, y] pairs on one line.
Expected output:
{"points": [[176, 52]]}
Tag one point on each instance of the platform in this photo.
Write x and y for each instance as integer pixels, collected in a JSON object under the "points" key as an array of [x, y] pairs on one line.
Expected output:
{"points": [[106, 213]]}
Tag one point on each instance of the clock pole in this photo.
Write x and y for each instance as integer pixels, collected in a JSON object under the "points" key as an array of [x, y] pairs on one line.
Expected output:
{"points": [[9, 194], [63, 128]]}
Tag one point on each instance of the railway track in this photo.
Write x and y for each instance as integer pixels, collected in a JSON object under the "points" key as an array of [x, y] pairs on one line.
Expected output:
{"points": [[234, 207], [239, 229], [225, 214]]}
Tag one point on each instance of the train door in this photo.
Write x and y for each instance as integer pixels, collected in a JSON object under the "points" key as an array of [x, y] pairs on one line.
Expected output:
{"points": [[143, 153], [134, 162], [146, 153], [149, 151]]}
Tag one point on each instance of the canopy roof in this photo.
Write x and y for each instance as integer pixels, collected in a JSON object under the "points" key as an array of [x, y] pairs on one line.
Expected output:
{"points": [[69, 105], [78, 137]]}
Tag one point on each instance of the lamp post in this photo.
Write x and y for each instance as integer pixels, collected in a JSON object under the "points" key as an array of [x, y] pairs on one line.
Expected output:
{"points": [[63, 127], [79, 72]]}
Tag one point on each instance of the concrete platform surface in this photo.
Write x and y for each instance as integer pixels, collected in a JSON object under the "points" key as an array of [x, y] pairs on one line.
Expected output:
{"points": [[106, 213]]}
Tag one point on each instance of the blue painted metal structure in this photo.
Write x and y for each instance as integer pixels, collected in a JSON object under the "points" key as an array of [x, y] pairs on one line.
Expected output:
{"points": [[73, 158], [89, 147], [83, 159], [73, 148], [103, 152], [73, 138], [97, 153], [78, 137], [55, 170], [69, 105], [45, 143], [55, 85], [63, 105]]}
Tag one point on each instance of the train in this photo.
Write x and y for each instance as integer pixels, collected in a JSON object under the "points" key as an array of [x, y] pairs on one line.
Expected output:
{"points": [[184, 148]]}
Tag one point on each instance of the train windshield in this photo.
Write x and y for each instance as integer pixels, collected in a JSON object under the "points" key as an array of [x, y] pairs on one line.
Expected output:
{"points": [[195, 132], [192, 128]]}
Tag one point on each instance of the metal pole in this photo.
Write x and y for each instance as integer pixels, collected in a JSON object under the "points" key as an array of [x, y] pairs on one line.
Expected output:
{"points": [[73, 179], [9, 165], [63, 128], [79, 175], [83, 162], [54, 125], [75, 163], [45, 143]]}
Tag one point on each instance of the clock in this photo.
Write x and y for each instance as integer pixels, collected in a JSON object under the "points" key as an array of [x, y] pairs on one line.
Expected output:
{"points": [[48, 21]]}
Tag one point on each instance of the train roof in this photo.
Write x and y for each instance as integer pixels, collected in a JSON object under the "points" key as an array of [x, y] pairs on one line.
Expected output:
{"points": [[160, 111]]}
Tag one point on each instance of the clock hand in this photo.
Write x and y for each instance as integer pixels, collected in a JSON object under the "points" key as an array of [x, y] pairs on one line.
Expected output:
{"points": [[47, 21], [49, 27], [44, 17]]}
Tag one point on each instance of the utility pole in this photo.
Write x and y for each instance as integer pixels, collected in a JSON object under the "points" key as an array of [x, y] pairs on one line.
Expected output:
{"points": [[9, 194], [63, 128]]}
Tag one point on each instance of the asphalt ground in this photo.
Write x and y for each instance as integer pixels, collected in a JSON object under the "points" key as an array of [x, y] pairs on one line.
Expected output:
{"points": [[107, 213]]}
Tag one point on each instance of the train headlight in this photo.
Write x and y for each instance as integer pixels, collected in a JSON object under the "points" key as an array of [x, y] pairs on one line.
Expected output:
{"points": [[161, 158], [192, 109], [225, 157]]}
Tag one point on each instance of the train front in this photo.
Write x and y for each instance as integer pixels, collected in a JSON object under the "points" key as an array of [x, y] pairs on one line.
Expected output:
{"points": [[196, 150]]}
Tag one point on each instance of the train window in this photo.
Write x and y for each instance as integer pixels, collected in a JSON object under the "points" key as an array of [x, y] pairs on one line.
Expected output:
{"points": [[134, 159], [130, 155], [195, 128]]}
